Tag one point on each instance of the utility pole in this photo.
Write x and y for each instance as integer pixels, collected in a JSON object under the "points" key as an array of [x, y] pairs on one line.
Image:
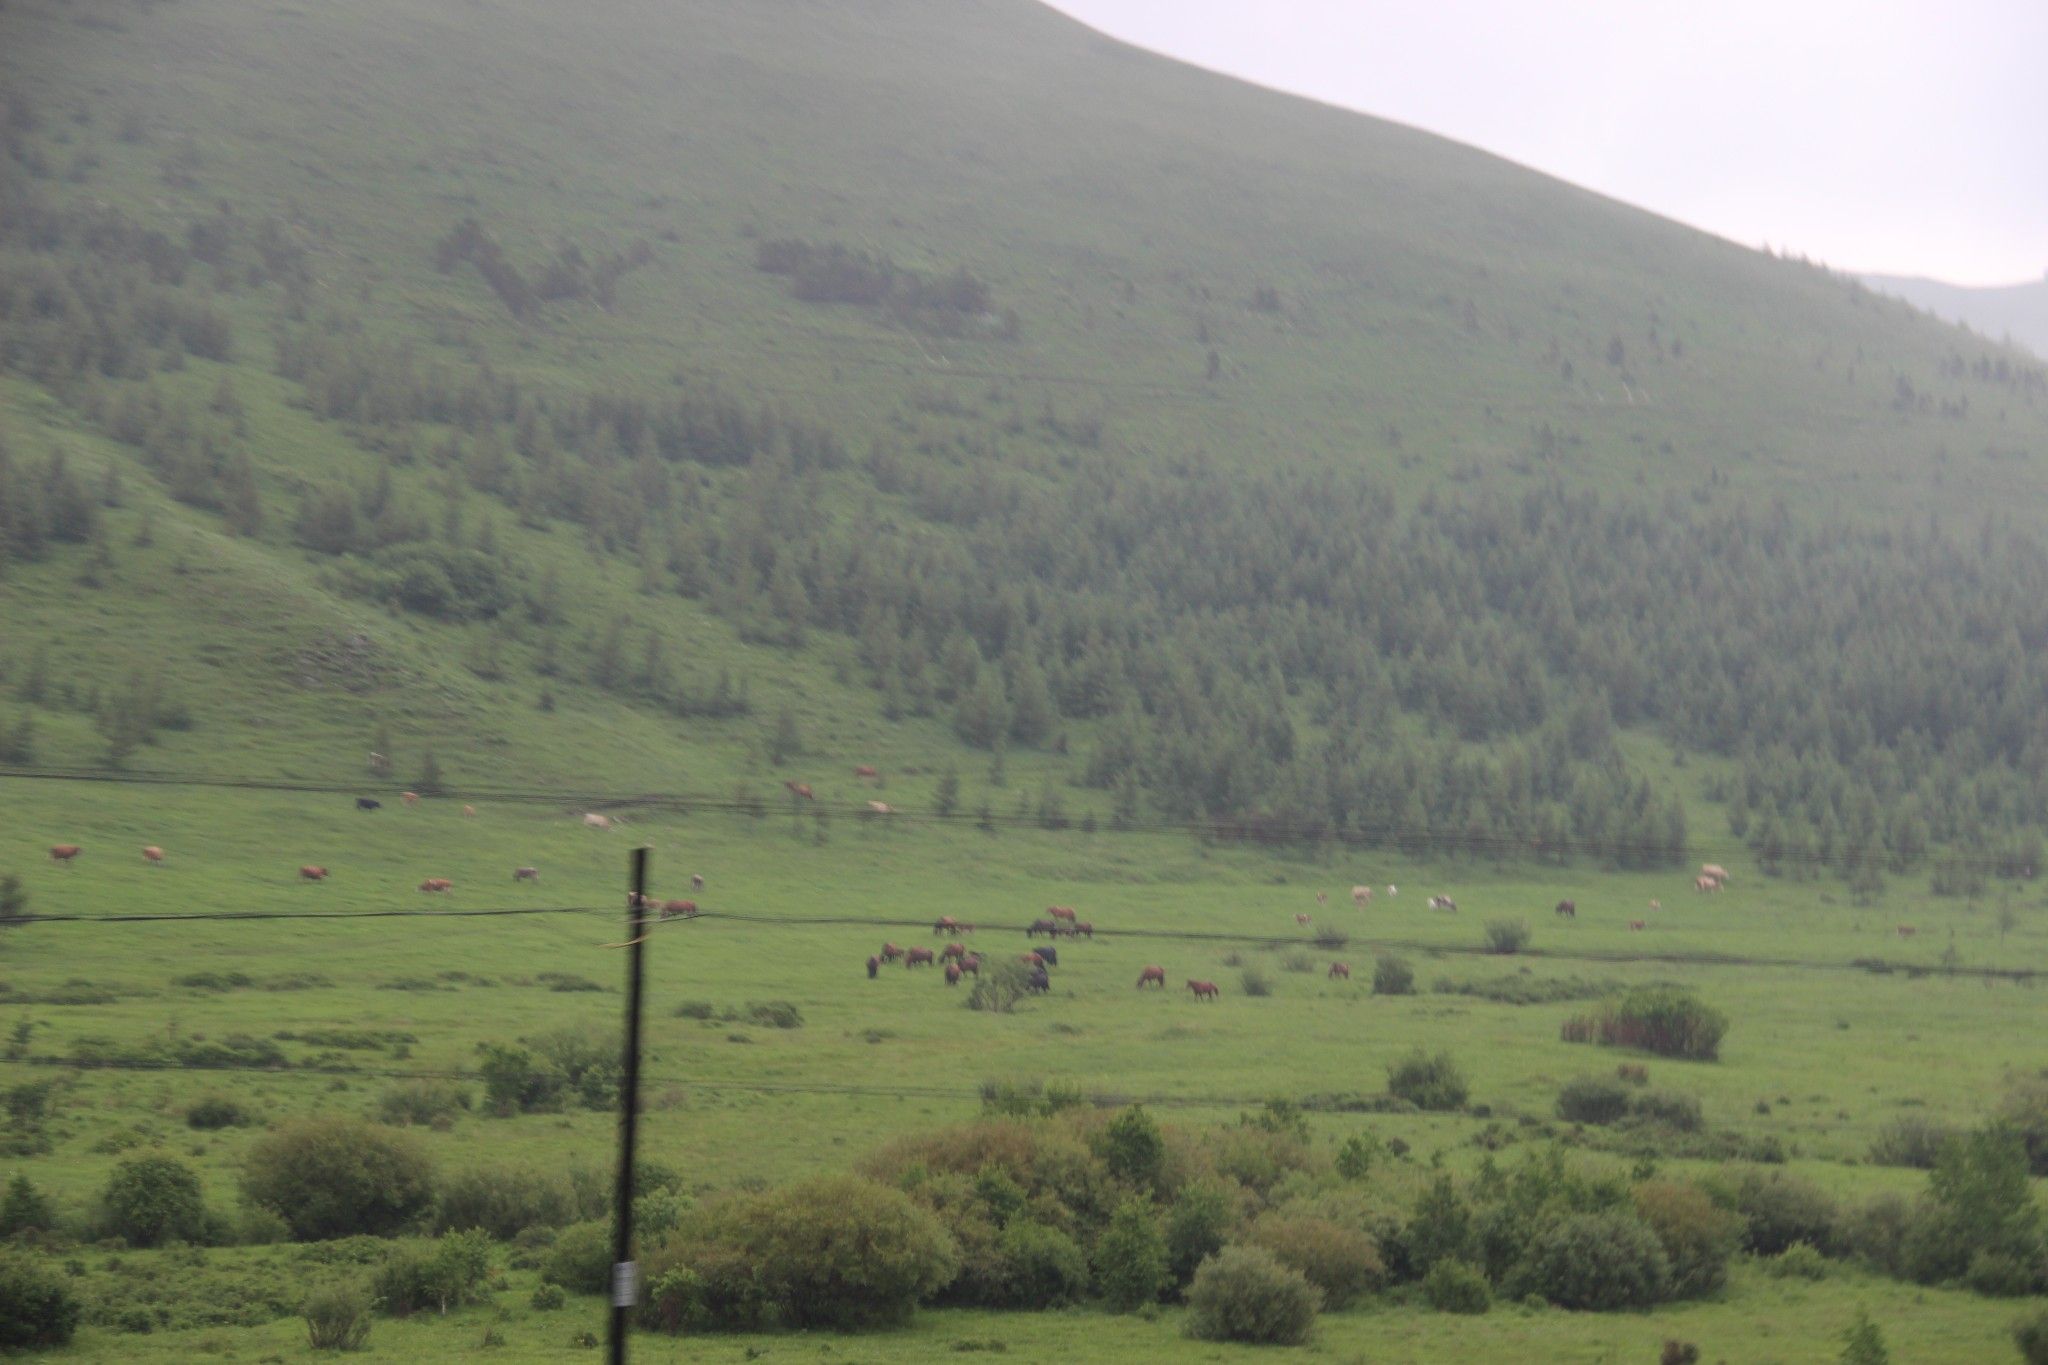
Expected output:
{"points": [[625, 1270]]}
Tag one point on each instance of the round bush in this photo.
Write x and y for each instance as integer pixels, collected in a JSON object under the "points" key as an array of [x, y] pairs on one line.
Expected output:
{"points": [[1781, 1209], [2030, 1334], [1593, 1099], [1342, 1262], [581, 1259], [1393, 976], [154, 1199], [1046, 1268], [547, 1298], [1507, 935], [1427, 1082], [1798, 1262], [1243, 1293], [1597, 1261], [2001, 1275], [1670, 1108], [328, 1176], [37, 1308], [1697, 1237], [215, 1111], [1454, 1286]]}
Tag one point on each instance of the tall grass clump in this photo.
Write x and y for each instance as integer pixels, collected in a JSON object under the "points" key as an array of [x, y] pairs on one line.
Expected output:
{"points": [[1392, 976], [1666, 1020], [337, 1317], [1507, 936]]}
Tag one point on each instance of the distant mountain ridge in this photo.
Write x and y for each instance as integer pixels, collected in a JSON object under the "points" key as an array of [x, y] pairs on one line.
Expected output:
{"points": [[2018, 311]]}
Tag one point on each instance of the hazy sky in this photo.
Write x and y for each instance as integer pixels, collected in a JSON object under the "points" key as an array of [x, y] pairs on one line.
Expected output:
{"points": [[1903, 136]]}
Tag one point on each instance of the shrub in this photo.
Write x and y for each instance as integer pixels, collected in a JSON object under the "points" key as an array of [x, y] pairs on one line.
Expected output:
{"points": [[581, 1259], [2030, 1334], [1427, 1082], [1341, 1262], [1800, 1261], [1592, 1099], [37, 1309], [1678, 1352], [1665, 1020], [1877, 1231], [2002, 1275], [1130, 1258], [1863, 1344], [1392, 976], [328, 1176], [1132, 1148], [502, 1202], [25, 1209], [1244, 1294], [998, 987], [1359, 1154], [1254, 981], [547, 1298], [1668, 1109], [1196, 1229], [2025, 1112], [1697, 1236], [835, 1251], [1596, 1262], [1911, 1140], [449, 1274], [154, 1199], [1779, 1210], [1298, 961], [1440, 1226], [1507, 935], [1047, 1268], [775, 1014], [1454, 1286], [337, 1317], [215, 1111], [427, 1103]]}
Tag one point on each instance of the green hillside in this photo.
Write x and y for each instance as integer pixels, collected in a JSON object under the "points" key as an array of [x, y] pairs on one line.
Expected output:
{"points": [[2013, 312]]}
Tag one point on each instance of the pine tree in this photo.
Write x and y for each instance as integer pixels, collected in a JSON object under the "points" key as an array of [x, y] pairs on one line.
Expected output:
{"points": [[946, 795], [430, 782]]}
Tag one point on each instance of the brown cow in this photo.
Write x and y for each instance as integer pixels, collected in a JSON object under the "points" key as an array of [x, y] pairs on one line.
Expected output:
{"points": [[945, 924], [1361, 896], [1907, 931], [865, 770], [971, 965], [525, 874], [1567, 910], [64, 853], [153, 855], [952, 973], [671, 909], [890, 952], [801, 790], [1204, 990], [410, 798], [919, 957], [1302, 920], [1155, 975], [1638, 925], [1340, 971], [434, 884], [310, 873]]}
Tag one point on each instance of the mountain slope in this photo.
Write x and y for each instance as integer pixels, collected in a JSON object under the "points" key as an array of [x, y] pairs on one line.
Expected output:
{"points": [[2015, 311], [951, 376]]}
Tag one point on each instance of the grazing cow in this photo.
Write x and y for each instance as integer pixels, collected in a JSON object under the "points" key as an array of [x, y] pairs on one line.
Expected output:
{"points": [[1061, 912], [801, 790], [1322, 898], [953, 950], [696, 881], [310, 873], [1656, 905], [952, 973], [1051, 955], [1040, 982], [365, 803], [874, 966], [1302, 920], [971, 965], [1155, 975], [1083, 929], [1393, 890], [410, 798], [1340, 971], [686, 909], [1705, 883], [525, 874], [592, 820], [153, 855], [1042, 926], [865, 770], [1443, 903], [64, 853], [1907, 931], [1361, 896], [1636, 926], [1567, 909], [1204, 990], [469, 811], [920, 957], [890, 952], [880, 808], [946, 924], [1033, 960], [1714, 870], [436, 884]]}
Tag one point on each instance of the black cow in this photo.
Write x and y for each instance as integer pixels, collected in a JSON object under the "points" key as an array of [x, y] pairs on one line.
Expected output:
{"points": [[1050, 954], [1041, 981], [365, 803]]}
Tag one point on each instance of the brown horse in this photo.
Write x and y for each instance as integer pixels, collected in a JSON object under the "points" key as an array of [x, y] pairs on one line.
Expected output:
{"points": [[1155, 975], [952, 973], [945, 924], [1065, 912], [919, 957], [1083, 929], [890, 952], [1204, 990], [971, 965], [953, 951], [63, 853], [1340, 971]]}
